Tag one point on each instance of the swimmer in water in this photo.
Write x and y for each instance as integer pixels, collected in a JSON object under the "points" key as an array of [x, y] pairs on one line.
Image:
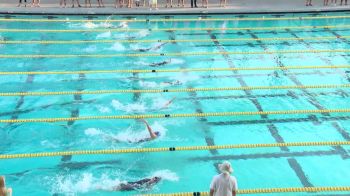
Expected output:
{"points": [[145, 183], [152, 134], [160, 63], [168, 103], [152, 48], [172, 83]]}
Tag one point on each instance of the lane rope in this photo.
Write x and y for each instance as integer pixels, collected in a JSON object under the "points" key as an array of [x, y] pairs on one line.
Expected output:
{"points": [[172, 149], [21, 42], [183, 115], [263, 191], [172, 29], [176, 19], [171, 54], [170, 70], [172, 90]]}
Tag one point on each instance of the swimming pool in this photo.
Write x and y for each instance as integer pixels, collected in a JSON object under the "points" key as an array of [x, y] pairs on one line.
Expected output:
{"points": [[65, 45]]}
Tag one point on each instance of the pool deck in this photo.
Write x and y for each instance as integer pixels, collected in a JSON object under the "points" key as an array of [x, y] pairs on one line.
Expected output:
{"points": [[233, 6]]}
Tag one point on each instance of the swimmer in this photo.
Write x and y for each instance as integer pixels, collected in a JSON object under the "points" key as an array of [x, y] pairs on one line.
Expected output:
{"points": [[160, 63], [168, 103], [173, 83], [150, 48], [152, 134], [145, 183]]}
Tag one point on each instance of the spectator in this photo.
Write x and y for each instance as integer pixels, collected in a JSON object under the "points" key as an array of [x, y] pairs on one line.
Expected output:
{"points": [[325, 2], [86, 2], [205, 3], [308, 3], [222, 3], [121, 3], [129, 4], [193, 3], [334, 2], [100, 3], [346, 2], [63, 3], [77, 3], [35, 3], [20, 2], [224, 184], [182, 3], [169, 2], [3, 190], [153, 3]]}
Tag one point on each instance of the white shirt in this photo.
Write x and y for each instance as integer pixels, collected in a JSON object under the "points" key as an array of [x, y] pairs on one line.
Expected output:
{"points": [[223, 185]]}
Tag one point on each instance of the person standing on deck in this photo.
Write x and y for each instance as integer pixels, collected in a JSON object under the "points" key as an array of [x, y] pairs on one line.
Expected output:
{"points": [[224, 184], [193, 3], [77, 3], [308, 2]]}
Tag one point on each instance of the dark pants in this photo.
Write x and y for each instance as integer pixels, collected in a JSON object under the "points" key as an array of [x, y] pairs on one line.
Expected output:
{"points": [[20, 1], [194, 2]]}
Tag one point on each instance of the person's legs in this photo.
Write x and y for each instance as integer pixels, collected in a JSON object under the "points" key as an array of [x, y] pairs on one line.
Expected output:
{"points": [[37, 3], [19, 3], [192, 3]]}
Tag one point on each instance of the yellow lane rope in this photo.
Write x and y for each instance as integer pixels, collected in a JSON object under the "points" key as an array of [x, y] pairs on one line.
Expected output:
{"points": [[170, 41], [164, 149], [176, 19], [169, 70], [170, 54], [185, 115], [172, 29], [172, 90], [263, 191]]}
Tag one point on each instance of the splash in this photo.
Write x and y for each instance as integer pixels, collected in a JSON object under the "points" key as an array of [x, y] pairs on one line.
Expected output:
{"points": [[143, 33], [90, 25], [184, 78], [159, 103], [133, 107], [104, 35], [131, 135], [147, 84], [91, 49], [75, 184], [176, 61], [49, 144], [103, 109], [166, 175], [93, 132], [117, 47]]}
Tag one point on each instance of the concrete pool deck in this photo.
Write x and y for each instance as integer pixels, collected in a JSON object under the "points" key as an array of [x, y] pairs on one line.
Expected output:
{"points": [[233, 6]]}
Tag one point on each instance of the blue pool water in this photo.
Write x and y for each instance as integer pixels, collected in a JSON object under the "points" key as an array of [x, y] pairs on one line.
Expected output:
{"points": [[182, 171]]}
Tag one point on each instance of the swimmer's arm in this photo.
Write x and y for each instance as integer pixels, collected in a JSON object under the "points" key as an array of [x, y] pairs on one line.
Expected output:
{"points": [[168, 103], [150, 130]]}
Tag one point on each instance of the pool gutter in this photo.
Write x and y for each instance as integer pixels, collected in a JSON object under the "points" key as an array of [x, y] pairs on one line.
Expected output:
{"points": [[167, 11]]}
